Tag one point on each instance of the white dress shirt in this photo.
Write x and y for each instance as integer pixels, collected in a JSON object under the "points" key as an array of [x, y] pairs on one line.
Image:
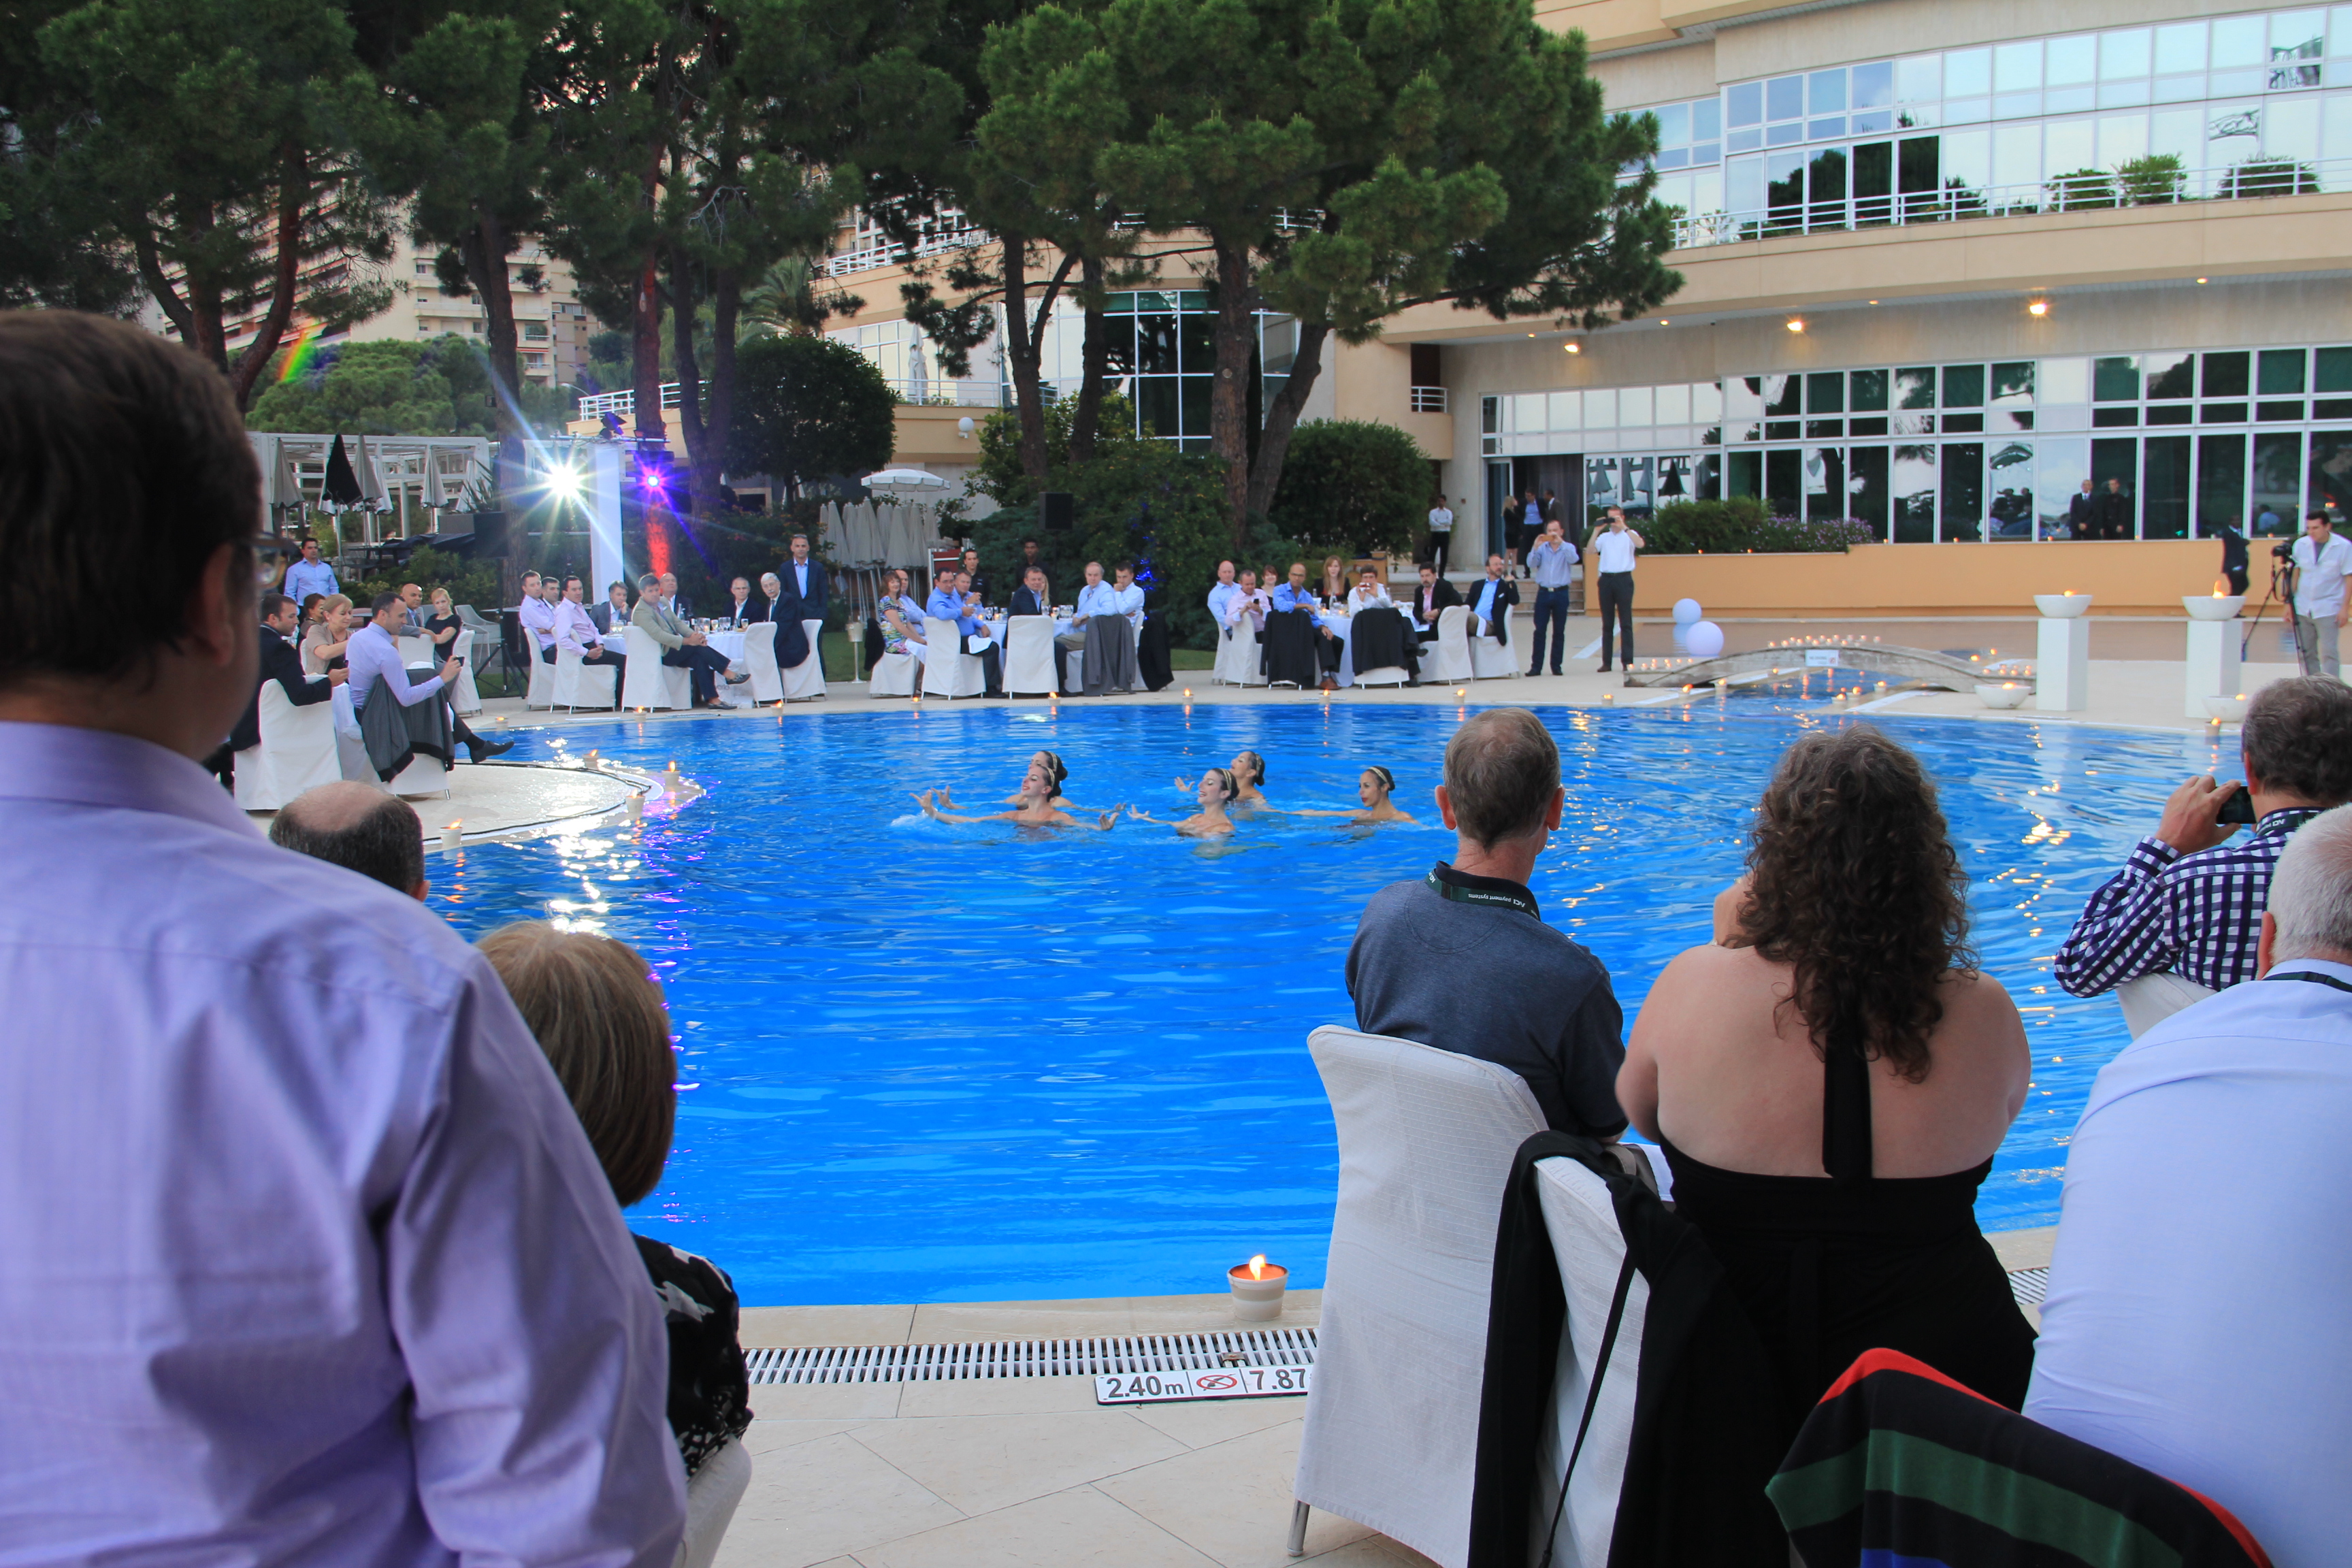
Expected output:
{"points": [[1614, 551], [1360, 601], [308, 1261], [2320, 586], [575, 631], [2195, 1322], [1440, 519], [539, 616], [374, 658], [1097, 599], [1129, 602]]}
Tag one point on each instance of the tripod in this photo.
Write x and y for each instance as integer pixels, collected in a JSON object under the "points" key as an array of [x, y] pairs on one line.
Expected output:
{"points": [[2282, 587]]}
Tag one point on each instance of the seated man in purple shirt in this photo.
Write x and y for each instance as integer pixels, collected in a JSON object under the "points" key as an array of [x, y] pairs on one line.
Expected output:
{"points": [[308, 1258]]}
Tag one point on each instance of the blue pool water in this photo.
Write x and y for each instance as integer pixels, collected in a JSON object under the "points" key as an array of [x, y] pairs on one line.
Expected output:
{"points": [[924, 1062]]}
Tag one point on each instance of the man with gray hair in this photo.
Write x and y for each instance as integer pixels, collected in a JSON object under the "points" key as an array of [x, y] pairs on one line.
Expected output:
{"points": [[2196, 1311], [1462, 959], [362, 830]]}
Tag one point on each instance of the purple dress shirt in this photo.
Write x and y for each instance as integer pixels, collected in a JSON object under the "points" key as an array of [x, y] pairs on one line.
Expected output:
{"points": [[374, 656], [308, 1261]]}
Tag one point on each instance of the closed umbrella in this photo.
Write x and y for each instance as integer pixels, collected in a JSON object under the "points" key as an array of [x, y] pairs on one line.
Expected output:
{"points": [[342, 486]]}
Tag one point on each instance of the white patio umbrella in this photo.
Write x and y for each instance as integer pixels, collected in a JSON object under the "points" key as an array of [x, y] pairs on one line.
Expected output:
{"points": [[909, 481]]}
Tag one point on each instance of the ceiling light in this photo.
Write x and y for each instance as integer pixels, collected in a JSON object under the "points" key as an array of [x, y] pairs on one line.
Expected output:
{"points": [[1796, 323], [2039, 308]]}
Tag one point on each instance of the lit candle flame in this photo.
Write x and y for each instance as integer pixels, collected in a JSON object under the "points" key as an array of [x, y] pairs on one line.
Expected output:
{"points": [[1257, 1267], [453, 826]]}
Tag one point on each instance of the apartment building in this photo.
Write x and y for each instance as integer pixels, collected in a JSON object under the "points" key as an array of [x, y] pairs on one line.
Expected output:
{"points": [[1945, 260]]}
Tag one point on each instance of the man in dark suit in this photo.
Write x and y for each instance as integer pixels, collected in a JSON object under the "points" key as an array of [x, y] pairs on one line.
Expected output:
{"points": [[613, 615], [2082, 509], [1430, 601], [2113, 512], [805, 585], [772, 588], [282, 663], [740, 611], [1031, 599], [1490, 602]]}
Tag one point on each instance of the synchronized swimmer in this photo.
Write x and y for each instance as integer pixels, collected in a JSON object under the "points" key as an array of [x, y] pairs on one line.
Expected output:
{"points": [[1051, 763], [1248, 770], [1374, 789], [1218, 789], [1035, 805]]}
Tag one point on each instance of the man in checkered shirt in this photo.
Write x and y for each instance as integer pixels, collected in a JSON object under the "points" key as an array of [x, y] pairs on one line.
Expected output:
{"points": [[2187, 902]]}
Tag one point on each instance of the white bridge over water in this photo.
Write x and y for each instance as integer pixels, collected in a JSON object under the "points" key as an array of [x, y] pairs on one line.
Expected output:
{"points": [[1917, 666]]}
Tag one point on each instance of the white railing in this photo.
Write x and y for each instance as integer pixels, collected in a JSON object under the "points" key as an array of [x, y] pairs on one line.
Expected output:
{"points": [[876, 252], [1429, 400], [934, 392], [2249, 180]]}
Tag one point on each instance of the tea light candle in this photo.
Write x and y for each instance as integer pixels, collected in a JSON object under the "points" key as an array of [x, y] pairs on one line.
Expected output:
{"points": [[1608, 699], [1258, 1288], [637, 809], [453, 837]]}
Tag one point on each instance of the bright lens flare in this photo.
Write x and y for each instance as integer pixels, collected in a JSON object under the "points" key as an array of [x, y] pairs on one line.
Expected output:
{"points": [[565, 482], [1257, 1267]]}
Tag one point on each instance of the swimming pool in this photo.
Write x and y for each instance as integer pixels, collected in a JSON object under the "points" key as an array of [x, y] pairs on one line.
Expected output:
{"points": [[927, 1062]]}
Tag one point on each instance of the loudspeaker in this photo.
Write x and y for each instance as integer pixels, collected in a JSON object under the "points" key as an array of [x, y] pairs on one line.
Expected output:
{"points": [[490, 534], [1058, 511]]}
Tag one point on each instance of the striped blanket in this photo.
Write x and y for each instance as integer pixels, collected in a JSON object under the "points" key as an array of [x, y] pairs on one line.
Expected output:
{"points": [[1899, 1467]]}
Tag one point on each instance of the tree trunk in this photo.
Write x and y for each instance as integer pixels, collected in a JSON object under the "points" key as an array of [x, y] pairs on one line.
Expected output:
{"points": [[293, 196], [1094, 361], [645, 347], [1236, 338], [1282, 416], [1028, 401], [484, 250], [682, 306], [726, 309]]}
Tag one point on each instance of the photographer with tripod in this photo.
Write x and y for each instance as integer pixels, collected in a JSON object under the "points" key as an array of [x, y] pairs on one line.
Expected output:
{"points": [[2318, 563]]}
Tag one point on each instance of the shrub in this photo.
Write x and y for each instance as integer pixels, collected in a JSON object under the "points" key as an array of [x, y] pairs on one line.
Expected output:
{"points": [[2153, 181], [468, 582], [2267, 178], [1354, 488], [2082, 190], [1741, 524]]}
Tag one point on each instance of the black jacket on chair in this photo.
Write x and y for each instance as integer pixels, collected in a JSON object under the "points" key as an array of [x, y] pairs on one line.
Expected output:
{"points": [[282, 663]]}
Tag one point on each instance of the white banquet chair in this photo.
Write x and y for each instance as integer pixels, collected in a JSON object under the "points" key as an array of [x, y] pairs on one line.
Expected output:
{"points": [[1029, 656], [578, 684], [463, 697], [1450, 654], [296, 752], [1240, 660], [1426, 1141], [893, 675], [423, 776], [805, 680], [760, 658], [948, 670], [711, 1496], [649, 682], [1490, 658], [540, 693], [417, 650]]}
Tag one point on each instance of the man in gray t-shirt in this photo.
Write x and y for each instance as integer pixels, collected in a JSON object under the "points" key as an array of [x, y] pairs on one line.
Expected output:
{"points": [[1462, 960]]}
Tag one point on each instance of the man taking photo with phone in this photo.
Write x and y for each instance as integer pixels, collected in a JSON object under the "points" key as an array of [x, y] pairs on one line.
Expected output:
{"points": [[2181, 919]]}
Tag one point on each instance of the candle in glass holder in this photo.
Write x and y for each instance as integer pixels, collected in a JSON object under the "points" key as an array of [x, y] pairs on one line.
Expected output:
{"points": [[1258, 1288], [453, 837]]}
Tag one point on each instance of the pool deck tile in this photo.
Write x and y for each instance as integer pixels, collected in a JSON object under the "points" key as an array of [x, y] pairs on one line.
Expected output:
{"points": [[1079, 1528], [983, 1463], [793, 1326]]}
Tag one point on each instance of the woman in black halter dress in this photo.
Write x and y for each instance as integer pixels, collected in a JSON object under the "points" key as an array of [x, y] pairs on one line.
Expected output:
{"points": [[1840, 987]]}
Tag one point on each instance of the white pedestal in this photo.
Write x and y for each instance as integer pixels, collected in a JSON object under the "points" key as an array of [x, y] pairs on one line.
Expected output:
{"points": [[2212, 664], [2061, 665]]}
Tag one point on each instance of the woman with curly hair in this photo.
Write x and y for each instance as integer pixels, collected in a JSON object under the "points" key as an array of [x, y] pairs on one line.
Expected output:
{"points": [[1831, 1075]]}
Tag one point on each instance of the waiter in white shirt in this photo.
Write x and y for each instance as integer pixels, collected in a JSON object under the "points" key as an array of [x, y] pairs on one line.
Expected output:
{"points": [[1441, 534], [1612, 545], [2321, 558]]}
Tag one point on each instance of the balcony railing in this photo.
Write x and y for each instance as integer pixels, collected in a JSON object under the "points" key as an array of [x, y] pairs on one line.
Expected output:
{"points": [[1429, 400], [932, 393], [1788, 212]]}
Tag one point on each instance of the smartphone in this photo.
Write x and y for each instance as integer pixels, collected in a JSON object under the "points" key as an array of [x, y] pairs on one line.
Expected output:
{"points": [[2239, 808]]}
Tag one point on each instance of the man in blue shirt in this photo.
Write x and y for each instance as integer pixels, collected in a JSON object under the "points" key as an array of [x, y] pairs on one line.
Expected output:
{"points": [[949, 601], [1490, 606], [1295, 594], [1553, 565], [310, 576]]}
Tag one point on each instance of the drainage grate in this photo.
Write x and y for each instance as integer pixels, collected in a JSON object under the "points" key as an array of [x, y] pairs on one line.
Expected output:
{"points": [[1033, 1358], [2029, 1286]]}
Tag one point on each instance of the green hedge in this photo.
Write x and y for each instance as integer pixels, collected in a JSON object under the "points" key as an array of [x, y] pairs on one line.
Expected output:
{"points": [[1742, 524]]}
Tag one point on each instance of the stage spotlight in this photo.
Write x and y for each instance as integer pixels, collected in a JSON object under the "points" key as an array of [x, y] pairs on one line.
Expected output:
{"points": [[565, 482]]}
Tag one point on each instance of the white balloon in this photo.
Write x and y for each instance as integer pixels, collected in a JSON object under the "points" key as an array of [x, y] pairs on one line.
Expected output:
{"points": [[1705, 639], [1686, 611]]}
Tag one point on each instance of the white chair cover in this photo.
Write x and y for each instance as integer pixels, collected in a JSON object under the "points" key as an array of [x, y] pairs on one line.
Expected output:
{"points": [[1238, 662], [1029, 656], [650, 683], [1074, 672], [579, 685], [760, 658], [463, 697], [423, 776], [1426, 1139], [805, 679], [541, 691], [710, 1499], [1451, 648], [1489, 659], [415, 650], [2150, 999], [296, 752], [893, 675], [948, 670], [1590, 1250]]}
